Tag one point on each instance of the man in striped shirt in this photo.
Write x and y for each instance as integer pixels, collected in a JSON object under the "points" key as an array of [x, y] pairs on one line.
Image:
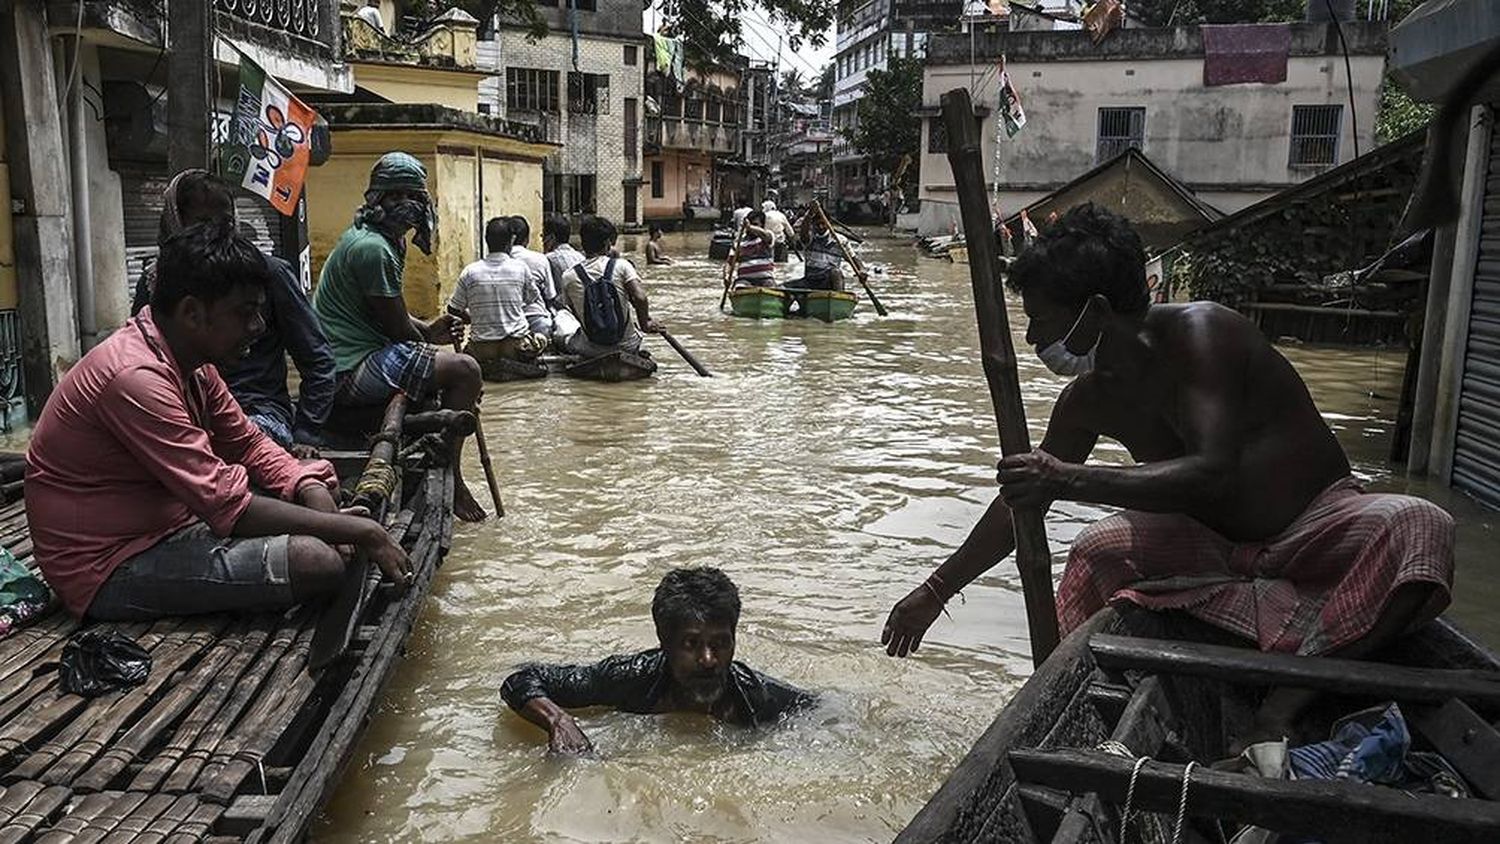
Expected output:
{"points": [[503, 297]]}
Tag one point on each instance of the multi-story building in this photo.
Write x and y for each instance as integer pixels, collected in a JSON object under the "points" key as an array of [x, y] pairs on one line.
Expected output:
{"points": [[582, 86], [800, 153], [692, 144], [1156, 90], [870, 33]]}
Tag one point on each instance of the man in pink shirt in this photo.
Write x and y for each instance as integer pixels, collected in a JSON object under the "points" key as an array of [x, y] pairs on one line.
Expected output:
{"points": [[139, 474]]}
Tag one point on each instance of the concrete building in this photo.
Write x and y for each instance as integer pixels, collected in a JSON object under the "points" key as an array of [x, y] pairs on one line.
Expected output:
{"points": [[800, 153], [869, 33], [85, 133], [581, 85], [1455, 434], [1231, 144], [691, 144]]}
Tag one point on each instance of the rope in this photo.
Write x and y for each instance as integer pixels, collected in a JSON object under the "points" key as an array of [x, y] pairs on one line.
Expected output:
{"points": [[1127, 811], [1182, 801], [378, 481]]}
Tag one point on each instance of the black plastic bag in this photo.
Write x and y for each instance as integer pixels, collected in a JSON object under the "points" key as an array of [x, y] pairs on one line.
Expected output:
{"points": [[97, 662]]}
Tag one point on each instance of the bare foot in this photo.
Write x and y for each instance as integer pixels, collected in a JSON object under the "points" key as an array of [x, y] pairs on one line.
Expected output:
{"points": [[464, 505]]}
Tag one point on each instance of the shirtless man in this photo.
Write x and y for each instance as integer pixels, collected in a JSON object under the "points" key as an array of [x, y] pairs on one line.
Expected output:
{"points": [[1240, 510]]}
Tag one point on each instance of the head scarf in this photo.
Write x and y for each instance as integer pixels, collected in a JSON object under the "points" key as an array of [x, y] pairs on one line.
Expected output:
{"points": [[400, 171]]}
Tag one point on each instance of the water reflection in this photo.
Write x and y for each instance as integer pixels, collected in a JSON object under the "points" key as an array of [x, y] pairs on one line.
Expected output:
{"points": [[827, 469]]}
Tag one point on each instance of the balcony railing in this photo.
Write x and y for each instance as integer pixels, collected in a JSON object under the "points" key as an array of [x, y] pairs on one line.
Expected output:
{"points": [[310, 19], [681, 133]]}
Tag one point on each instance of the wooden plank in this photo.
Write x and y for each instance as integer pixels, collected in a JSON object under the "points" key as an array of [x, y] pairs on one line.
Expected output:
{"points": [[197, 826], [1466, 741], [1044, 808], [15, 797], [133, 744], [252, 648], [246, 814], [1109, 700], [44, 804], [76, 819], [325, 759], [109, 817], [1329, 810], [181, 808], [130, 827], [1247, 667]]}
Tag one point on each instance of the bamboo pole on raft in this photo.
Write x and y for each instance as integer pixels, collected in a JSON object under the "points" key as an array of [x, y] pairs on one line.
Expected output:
{"points": [[999, 357]]}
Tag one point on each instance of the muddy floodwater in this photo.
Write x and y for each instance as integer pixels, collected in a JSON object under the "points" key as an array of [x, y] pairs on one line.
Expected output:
{"points": [[827, 469]]}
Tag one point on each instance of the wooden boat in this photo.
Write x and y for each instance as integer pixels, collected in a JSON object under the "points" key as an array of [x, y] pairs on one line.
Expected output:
{"points": [[1164, 687], [720, 244], [501, 370], [615, 366], [230, 735], [792, 303]]}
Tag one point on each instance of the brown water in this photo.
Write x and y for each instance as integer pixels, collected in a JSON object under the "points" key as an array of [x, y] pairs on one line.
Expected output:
{"points": [[827, 469]]}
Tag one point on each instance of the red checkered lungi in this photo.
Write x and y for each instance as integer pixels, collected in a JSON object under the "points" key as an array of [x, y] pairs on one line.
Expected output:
{"points": [[1319, 585]]}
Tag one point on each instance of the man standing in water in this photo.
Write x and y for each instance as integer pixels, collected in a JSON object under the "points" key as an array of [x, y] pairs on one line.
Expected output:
{"points": [[691, 670], [1241, 510]]}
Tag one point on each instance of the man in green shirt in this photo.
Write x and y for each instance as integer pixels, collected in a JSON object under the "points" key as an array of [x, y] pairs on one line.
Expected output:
{"points": [[379, 348]]}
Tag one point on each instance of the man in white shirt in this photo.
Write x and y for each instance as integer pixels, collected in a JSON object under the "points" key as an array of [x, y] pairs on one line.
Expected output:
{"points": [[541, 323], [598, 236], [501, 295], [561, 256], [779, 227]]}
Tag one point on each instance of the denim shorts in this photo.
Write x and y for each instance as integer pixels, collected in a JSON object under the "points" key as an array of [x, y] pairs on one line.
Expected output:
{"points": [[193, 571]]}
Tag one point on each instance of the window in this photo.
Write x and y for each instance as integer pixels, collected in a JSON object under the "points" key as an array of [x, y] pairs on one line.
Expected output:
{"points": [[713, 112], [588, 93], [631, 53], [484, 108], [1315, 135], [531, 90], [575, 193], [631, 201], [692, 108], [1119, 130], [658, 180], [632, 121], [937, 135]]}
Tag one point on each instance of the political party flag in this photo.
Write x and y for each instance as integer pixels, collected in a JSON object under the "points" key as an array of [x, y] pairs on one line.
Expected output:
{"points": [[1011, 113], [270, 139]]}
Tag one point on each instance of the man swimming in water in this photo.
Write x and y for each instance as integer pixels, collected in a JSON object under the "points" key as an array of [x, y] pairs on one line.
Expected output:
{"points": [[692, 670]]}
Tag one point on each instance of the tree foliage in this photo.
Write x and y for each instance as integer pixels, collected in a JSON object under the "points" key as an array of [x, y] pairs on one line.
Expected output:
{"points": [[887, 128]]}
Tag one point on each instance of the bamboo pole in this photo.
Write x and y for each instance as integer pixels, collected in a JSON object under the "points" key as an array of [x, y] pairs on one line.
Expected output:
{"points": [[730, 265], [859, 269], [484, 450], [999, 357]]}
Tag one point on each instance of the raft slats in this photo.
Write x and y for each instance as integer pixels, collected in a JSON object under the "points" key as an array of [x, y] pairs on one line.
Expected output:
{"points": [[184, 755]]}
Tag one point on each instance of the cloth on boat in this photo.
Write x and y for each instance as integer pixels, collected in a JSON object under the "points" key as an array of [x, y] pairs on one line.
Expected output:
{"points": [[1245, 52], [1374, 746], [502, 295], [99, 661], [757, 266], [23, 595], [1317, 586], [639, 683], [130, 449], [193, 571], [407, 367]]}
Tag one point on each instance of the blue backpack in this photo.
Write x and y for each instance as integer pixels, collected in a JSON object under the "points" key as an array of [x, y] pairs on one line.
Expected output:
{"points": [[603, 316]]}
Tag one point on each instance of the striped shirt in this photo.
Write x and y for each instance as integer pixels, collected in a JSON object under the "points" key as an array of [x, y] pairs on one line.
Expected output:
{"points": [[757, 264], [500, 293]]}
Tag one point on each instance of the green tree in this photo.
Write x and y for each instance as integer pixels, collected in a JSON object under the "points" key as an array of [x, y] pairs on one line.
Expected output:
{"points": [[823, 89], [886, 128]]}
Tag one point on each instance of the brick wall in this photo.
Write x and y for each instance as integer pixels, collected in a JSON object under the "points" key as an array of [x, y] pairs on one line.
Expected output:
{"points": [[591, 143]]}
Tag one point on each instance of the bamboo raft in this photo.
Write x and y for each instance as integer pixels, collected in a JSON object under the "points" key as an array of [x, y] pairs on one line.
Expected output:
{"points": [[1162, 686], [612, 367], [230, 737]]}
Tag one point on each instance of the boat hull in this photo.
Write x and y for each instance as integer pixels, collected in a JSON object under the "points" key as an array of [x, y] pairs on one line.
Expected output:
{"points": [[792, 303]]}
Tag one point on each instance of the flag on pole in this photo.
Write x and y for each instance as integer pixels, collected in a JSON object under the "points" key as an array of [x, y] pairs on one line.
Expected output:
{"points": [[270, 139], [1011, 113]]}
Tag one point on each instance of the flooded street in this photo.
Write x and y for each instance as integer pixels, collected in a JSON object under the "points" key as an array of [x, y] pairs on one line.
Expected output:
{"points": [[827, 469]]}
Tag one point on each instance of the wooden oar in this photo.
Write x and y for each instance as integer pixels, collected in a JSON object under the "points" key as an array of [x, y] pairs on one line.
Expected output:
{"points": [[999, 356], [484, 448], [686, 355], [859, 269], [730, 265]]}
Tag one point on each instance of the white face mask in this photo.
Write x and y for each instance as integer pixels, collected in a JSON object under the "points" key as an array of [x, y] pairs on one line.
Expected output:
{"points": [[1058, 358]]}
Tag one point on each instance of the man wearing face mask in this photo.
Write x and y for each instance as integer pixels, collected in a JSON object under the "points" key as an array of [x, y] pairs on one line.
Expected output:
{"points": [[692, 670], [379, 348], [1240, 509]]}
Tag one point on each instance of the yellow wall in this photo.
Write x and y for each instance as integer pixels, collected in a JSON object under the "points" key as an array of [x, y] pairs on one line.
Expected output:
{"points": [[8, 297], [336, 190], [403, 84]]}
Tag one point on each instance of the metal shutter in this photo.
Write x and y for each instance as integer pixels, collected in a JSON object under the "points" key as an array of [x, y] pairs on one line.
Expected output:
{"points": [[1476, 453]]}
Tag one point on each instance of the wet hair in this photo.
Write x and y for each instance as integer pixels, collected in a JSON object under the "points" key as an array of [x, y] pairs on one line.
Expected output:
{"points": [[704, 595], [208, 261], [1088, 250], [199, 196], [597, 234], [557, 228], [520, 230], [498, 235], [756, 218]]}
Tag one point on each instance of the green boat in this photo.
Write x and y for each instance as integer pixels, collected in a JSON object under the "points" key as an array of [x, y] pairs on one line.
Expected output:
{"points": [[792, 303]]}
